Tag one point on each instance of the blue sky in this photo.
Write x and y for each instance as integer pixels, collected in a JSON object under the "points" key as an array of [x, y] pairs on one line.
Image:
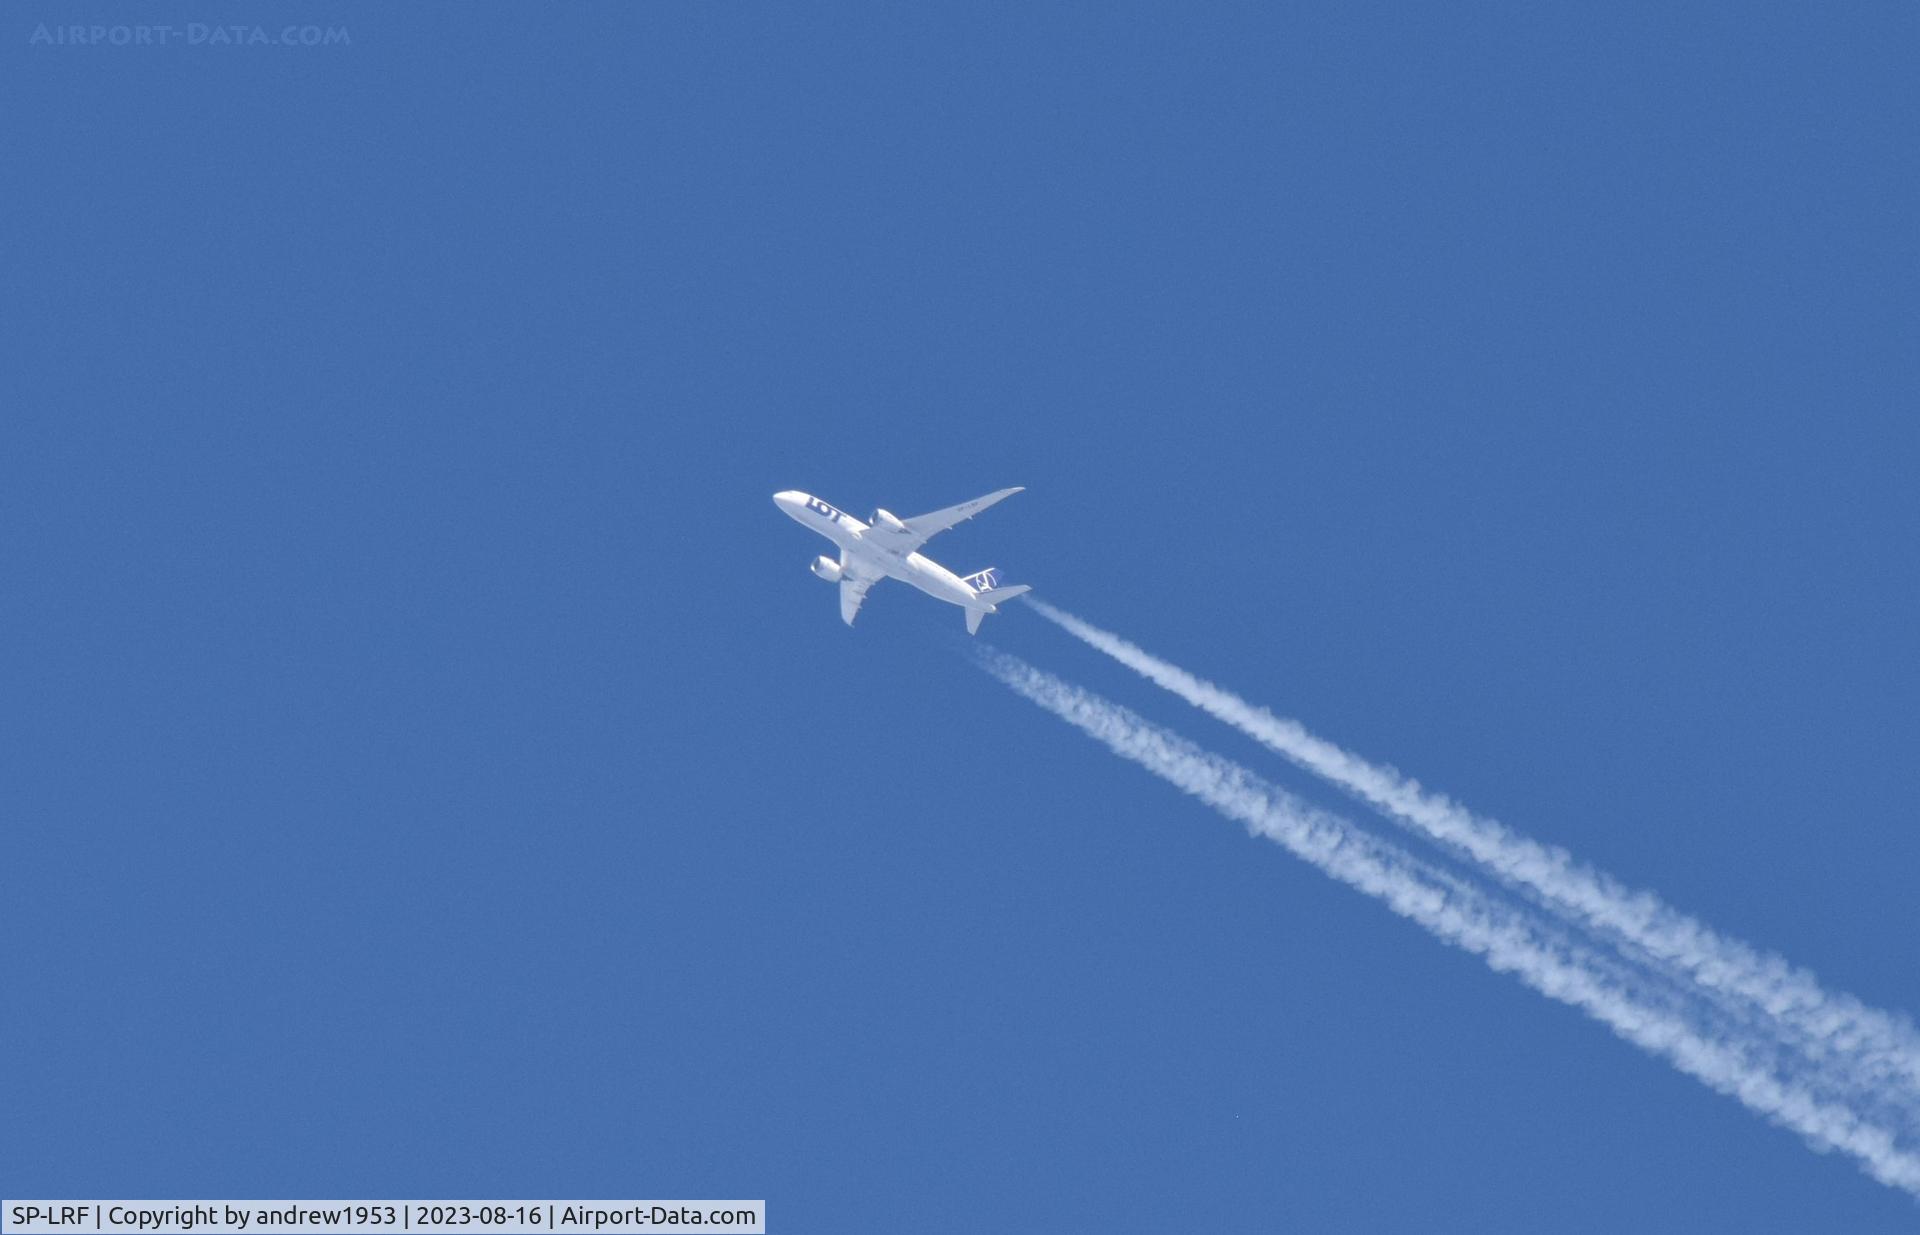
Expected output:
{"points": [[430, 769]]}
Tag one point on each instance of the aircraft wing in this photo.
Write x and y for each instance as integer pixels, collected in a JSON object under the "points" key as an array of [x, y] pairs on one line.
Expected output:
{"points": [[922, 528], [852, 592]]}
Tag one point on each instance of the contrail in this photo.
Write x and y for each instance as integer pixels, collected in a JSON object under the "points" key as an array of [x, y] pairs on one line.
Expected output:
{"points": [[1467, 917], [1881, 1049]]}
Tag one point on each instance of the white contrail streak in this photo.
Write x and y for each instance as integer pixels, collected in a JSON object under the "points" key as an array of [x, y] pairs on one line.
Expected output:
{"points": [[1879, 1048], [1467, 917]]}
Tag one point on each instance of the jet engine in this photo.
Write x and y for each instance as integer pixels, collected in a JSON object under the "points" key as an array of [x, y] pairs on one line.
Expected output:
{"points": [[827, 569], [886, 519]]}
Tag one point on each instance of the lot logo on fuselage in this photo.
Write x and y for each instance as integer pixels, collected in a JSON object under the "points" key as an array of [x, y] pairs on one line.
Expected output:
{"points": [[819, 507]]}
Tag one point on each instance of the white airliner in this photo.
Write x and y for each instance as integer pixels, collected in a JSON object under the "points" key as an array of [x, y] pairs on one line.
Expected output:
{"points": [[886, 547]]}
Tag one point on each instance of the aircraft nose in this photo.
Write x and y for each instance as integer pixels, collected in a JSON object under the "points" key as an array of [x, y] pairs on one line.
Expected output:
{"points": [[788, 497]]}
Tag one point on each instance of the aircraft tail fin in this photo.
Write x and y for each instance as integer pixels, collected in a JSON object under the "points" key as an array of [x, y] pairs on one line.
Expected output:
{"points": [[983, 580], [990, 600]]}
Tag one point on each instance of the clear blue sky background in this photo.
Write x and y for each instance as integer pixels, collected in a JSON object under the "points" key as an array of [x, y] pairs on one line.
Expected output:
{"points": [[430, 770]]}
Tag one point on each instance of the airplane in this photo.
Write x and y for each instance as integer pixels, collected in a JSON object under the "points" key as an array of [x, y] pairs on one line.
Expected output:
{"points": [[886, 547]]}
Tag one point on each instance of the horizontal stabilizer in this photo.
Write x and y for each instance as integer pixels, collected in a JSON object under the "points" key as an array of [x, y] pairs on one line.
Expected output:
{"points": [[989, 602]]}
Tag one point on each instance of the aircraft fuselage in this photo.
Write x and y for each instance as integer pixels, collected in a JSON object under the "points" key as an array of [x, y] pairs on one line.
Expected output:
{"points": [[865, 557]]}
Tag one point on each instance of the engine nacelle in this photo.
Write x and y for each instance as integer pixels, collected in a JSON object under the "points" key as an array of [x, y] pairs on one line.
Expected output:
{"points": [[827, 569], [886, 519]]}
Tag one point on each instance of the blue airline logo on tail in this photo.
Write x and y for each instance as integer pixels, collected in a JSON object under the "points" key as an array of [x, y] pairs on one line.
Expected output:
{"points": [[985, 581]]}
